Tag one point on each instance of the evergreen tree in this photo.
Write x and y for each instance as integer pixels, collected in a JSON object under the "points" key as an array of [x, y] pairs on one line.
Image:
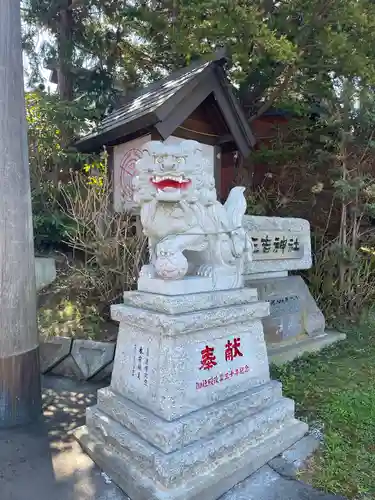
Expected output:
{"points": [[91, 46], [280, 51]]}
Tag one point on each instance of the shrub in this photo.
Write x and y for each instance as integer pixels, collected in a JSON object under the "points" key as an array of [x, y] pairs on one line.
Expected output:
{"points": [[50, 162], [110, 245], [342, 280], [50, 224]]}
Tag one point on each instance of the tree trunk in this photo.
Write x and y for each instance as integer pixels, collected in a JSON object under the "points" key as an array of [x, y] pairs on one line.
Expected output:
{"points": [[19, 356], [244, 170], [65, 49], [64, 77], [343, 267]]}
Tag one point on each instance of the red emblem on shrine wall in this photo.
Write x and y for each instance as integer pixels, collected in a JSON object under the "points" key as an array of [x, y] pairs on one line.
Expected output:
{"points": [[232, 349], [127, 170], [208, 360]]}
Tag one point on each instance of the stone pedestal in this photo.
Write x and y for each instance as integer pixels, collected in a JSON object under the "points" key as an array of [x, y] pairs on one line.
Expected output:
{"points": [[293, 310], [295, 325], [191, 410]]}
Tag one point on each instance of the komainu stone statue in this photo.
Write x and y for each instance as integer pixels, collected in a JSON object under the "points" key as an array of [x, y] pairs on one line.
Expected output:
{"points": [[190, 233], [191, 410]]}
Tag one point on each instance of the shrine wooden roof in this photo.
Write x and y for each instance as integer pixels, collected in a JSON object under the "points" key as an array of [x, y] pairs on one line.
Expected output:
{"points": [[164, 105]]}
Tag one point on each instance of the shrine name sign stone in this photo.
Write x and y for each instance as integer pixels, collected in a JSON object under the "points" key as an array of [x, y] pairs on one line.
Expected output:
{"points": [[279, 245], [282, 245]]}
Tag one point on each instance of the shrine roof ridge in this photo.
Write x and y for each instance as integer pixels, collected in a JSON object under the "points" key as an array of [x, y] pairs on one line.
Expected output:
{"points": [[153, 106]]}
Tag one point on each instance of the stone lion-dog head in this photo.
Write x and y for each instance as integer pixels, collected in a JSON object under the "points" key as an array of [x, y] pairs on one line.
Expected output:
{"points": [[171, 173]]}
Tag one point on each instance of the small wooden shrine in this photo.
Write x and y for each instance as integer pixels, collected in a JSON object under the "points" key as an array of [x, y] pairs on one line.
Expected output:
{"points": [[196, 102]]}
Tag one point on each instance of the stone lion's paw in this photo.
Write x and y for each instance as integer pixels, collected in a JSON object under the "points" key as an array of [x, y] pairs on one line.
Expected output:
{"points": [[205, 271]]}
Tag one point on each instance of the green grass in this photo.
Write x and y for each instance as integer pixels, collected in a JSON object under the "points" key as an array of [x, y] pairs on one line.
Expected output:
{"points": [[336, 389]]}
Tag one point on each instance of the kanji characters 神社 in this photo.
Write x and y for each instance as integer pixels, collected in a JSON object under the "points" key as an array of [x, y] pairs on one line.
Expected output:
{"points": [[208, 360], [232, 349]]}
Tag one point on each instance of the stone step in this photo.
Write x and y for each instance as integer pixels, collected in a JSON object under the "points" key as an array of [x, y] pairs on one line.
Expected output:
{"points": [[202, 456], [288, 351], [209, 485], [169, 436]]}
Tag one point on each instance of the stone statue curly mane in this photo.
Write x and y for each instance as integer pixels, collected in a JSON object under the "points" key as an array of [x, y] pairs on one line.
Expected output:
{"points": [[190, 233]]}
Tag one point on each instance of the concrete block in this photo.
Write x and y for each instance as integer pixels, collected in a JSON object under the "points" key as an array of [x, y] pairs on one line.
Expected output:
{"points": [[173, 325], [209, 421], [288, 351], [191, 409], [190, 284], [164, 435], [53, 351], [92, 356], [45, 271], [294, 458], [270, 256], [266, 484], [173, 364], [301, 450], [200, 457], [165, 375], [293, 310], [104, 374], [261, 485], [68, 368]]}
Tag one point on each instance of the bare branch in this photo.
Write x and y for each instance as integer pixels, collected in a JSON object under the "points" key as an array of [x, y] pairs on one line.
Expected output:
{"points": [[113, 250], [275, 94]]}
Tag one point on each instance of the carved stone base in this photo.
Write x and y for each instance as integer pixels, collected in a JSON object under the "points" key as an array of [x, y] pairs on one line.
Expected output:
{"points": [[191, 409], [205, 469], [169, 436], [190, 284]]}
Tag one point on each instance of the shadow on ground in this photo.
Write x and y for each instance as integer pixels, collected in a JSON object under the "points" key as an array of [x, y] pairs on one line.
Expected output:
{"points": [[43, 461]]}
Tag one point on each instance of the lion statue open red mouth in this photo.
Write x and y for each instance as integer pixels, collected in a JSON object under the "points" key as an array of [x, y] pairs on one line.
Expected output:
{"points": [[189, 231], [169, 181]]}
